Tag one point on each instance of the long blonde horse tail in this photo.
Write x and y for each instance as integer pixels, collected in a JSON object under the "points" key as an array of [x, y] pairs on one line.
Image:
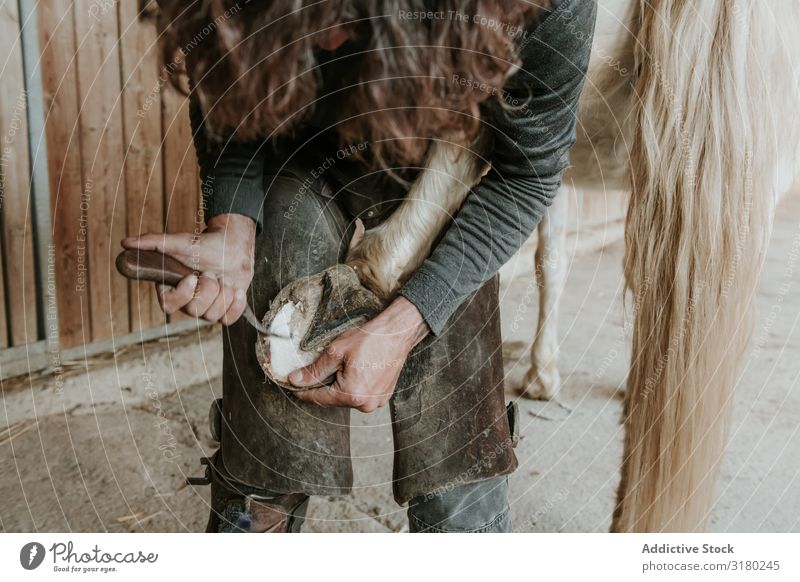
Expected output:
{"points": [[703, 178]]}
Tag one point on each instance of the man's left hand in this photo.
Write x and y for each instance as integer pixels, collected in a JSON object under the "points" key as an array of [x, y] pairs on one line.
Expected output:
{"points": [[366, 361]]}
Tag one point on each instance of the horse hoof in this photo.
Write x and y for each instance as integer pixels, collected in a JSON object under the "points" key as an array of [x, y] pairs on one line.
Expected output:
{"points": [[540, 384], [309, 314]]}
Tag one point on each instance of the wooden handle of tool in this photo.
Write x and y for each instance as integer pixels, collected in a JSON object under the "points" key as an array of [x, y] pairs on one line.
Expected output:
{"points": [[152, 266]]}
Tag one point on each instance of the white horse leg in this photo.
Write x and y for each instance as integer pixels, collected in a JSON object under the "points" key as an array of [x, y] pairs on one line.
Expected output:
{"points": [[542, 379], [389, 254]]}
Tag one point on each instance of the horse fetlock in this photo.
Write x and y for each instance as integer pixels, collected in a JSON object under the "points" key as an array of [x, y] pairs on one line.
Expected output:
{"points": [[374, 264], [541, 382], [374, 278]]}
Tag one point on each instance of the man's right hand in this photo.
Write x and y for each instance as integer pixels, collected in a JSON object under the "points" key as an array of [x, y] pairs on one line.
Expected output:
{"points": [[223, 255]]}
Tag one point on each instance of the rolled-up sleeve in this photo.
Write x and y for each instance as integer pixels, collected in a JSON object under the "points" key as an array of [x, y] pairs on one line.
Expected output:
{"points": [[534, 131]]}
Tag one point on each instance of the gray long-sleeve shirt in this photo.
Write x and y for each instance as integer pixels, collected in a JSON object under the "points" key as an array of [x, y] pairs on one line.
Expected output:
{"points": [[533, 134]]}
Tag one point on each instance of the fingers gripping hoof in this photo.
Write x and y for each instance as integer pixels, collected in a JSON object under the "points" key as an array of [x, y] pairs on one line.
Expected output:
{"points": [[307, 315]]}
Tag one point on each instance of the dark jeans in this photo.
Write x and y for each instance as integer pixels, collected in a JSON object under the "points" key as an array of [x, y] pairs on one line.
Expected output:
{"points": [[480, 507]]}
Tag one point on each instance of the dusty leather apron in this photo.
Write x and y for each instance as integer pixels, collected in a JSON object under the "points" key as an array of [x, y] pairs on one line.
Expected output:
{"points": [[450, 423]]}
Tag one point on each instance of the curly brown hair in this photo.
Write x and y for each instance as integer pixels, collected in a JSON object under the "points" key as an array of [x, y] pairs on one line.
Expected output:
{"points": [[253, 63]]}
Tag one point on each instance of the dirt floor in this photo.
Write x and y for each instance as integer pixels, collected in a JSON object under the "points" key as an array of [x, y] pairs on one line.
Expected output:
{"points": [[121, 467]]}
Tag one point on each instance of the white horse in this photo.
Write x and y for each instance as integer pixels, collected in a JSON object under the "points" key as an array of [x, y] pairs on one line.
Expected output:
{"points": [[692, 107]]}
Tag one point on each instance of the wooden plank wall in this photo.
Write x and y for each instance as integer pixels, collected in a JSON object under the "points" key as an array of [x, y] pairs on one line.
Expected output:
{"points": [[18, 316], [120, 160], [62, 131], [102, 165], [144, 174]]}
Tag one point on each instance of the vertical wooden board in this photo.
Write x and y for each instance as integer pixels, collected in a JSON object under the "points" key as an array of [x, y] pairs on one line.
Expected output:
{"points": [[20, 269], [182, 192], [102, 164], [59, 79], [181, 181], [144, 186], [3, 322]]}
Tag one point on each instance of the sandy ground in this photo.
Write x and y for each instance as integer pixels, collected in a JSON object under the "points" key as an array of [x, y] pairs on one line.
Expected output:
{"points": [[121, 467]]}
